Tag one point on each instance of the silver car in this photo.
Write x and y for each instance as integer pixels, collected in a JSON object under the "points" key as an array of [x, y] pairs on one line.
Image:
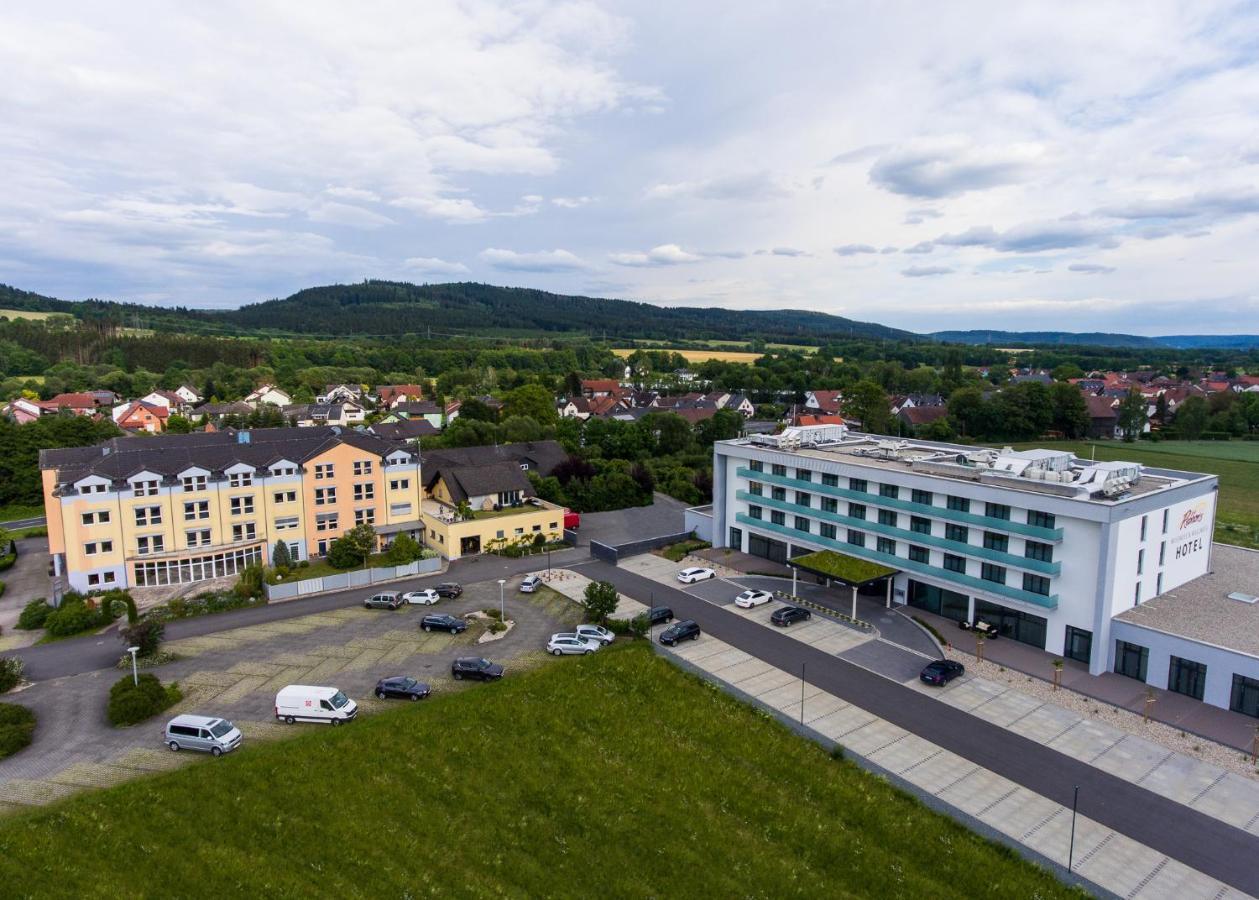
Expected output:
{"points": [[209, 735], [567, 643], [595, 633]]}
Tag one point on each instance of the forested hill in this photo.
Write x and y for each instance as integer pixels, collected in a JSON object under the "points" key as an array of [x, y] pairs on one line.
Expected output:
{"points": [[1098, 339]]}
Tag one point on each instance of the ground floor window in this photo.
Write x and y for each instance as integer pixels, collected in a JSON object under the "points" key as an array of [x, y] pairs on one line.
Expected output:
{"points": [[1078, 645], [938, 600], [1022, 627], [736, 539], [1184, 676], [1245, 699], [775, 551], [1131, 659], [197, 568]]}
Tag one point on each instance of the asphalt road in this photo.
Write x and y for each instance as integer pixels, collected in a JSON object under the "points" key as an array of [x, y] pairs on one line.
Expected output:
{"points": [[18, 524], [87, 654], [1209, 845]]}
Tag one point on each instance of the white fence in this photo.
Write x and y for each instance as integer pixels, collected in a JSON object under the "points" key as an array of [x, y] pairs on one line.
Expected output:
{"points": [[357, 578]]}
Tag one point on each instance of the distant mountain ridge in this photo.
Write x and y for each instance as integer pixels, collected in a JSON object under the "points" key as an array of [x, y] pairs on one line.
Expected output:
{"points": [[1099, 339]]}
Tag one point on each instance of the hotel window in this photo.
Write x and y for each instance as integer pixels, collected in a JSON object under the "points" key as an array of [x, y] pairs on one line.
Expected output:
{"points": [[285, 496], [246, 531], [756, 488], [995, 574], [145, 488], [1145, 521], [803, 499], [518, 531], [1140, 562], [802, 524], [756, 465], [198, 538], [1037, 550], [920, 525], [1131, 659], [93, 489], [1036, 584], [100, 517], [323, 470], [98, 547], [196, 509], [1158, 584], [830, 505], [95, 579], [922, 498], [804, 475], [535, 527], [777, 517], [998, 542], [859, 485], [194, 483], [364, 491], [362, 467], [779, 493], [326, 522], [284, 470], [856, 538], [240, 479], [781, 471], [288, 523], [1136, 595], [1040, 519], [856, 511], [885, 545], [955, 563], [148, 515], [150, 544], [887, 517], [827, 530], [400, 484], [889, 490], [997, 511], [1245, 696], [242, 505], [919, 554], [325, 496], [1166, 513], [960, 504], [365, 516], [755, 512], [1162, 553], [401, 509], [1184, 676], [830, 480], [958, 533]]}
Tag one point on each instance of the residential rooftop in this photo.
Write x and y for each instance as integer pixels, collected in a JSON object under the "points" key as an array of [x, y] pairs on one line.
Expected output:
{"points": [[1219, 608]]}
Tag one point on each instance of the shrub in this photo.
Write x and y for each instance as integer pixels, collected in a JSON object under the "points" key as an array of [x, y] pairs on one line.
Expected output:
{"points": [[145, 634], [250, 583], [493, 613], [496, 626], [403, 550], [17, 727], [71, 618], [34, 615], [10, 673], [281, 558], [131, 701], [203, 604], [7, 561], [600, 600]]}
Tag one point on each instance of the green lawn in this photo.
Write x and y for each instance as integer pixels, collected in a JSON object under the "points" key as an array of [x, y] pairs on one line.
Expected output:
{"points": [[16, 512], [614, 775], [1235, 462]]}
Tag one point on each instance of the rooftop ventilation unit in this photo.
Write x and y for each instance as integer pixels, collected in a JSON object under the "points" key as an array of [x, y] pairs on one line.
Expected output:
{"points": [[1109, 479], [1244, 598]]}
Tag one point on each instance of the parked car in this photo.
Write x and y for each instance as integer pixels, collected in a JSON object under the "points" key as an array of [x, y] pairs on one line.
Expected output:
{"points": [[694, 574], [207, 734], [790, 615], [443, 622], [979, 626], [751, 598], [308, 703], [475, 668], [425, 597], [531, 583], [942, 671], [595, 633], [449, 589], [570, 643], [685, 630], [387, 600], [403, 686], [658, 615]]}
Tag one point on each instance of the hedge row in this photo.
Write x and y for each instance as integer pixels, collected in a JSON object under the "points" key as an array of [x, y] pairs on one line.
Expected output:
{"points": [[17, 727]]}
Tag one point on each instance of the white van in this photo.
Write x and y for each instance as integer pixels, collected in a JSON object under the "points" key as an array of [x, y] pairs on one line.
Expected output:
{"points": [[304, 703]]}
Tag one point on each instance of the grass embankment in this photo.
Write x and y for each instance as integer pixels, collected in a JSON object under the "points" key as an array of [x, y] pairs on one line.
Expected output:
{"points": [[616, 775], [17, 512], [1235, 462], [676, 552]]}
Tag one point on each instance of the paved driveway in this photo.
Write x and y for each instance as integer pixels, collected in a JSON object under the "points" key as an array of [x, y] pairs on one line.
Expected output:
{"points": [[664, 516], [24, 582]]}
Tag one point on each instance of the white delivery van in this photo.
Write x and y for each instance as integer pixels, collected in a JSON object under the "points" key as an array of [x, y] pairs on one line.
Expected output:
{"points": [[304, 703]]}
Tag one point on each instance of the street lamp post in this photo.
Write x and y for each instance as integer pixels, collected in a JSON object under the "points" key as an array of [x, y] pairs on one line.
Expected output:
{"points": [[793, 582], [1075, 804], [135, 669], [502, 602]]}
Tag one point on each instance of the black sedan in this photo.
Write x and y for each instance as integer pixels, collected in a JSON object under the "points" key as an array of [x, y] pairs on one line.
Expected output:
{"points": [[659, 614], [443, 622], [941, 672], [789, 615], [475, 668], [403, 687], [686, 630], [449, 589]]}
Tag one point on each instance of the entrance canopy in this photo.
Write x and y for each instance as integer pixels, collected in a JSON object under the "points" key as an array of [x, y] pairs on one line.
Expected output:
{"points": [[841, 567]]}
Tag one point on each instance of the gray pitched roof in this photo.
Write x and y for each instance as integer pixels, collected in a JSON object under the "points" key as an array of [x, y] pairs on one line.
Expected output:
{"points": [[542, 456], [465, 482], [405, 430]]}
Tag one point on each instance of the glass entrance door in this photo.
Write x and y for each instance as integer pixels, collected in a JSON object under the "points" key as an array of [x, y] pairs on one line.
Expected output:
{"points": [[1079, 644]]}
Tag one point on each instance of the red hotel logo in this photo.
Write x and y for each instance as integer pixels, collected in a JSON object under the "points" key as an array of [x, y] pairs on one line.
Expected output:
{"points": [[1191, 516]]}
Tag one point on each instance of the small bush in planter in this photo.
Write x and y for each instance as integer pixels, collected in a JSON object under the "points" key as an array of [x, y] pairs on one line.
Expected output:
{"points": [[131, 702], [145, 634], [17, 727]]}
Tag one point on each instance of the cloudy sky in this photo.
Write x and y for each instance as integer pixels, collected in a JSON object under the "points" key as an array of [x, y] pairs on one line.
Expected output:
{"points": [[1041, 165]]}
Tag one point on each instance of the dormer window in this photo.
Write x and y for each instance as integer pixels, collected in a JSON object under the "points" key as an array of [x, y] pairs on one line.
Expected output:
{"points": [[240, 479], [146, 488]]}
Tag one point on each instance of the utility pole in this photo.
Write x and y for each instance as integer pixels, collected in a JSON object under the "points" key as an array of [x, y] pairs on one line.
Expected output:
{"points": [[1075, 805]]}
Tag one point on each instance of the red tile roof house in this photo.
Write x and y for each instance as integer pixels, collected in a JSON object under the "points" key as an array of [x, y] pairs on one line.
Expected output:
{"points": [[921, 415], [141, 416], [1102, 416], [600, 387], [79, 404], [23, 411], [826, 402], [389, 395]]}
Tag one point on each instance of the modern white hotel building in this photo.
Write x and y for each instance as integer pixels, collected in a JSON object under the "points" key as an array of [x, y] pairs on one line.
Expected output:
{"points": [[1046, 547]]}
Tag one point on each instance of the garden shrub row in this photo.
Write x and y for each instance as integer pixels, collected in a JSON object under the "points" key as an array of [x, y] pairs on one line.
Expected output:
{"points": [[17, 727]]}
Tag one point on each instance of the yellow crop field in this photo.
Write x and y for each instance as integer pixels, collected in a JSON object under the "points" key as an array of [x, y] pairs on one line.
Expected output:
{"points": [[24, 314], [699, 356]]}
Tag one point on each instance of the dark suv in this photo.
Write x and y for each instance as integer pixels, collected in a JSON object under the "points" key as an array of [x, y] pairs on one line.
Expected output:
{"points": [[789, 615], [659, 614], [475, 668], [942, 671], [687, 629], [443, 622], [449, 589]]}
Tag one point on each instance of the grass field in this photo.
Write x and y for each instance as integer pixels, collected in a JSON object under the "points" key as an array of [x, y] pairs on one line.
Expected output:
{"points": [[24, 314], [16, 512], [614, 775], [1235, 462]]}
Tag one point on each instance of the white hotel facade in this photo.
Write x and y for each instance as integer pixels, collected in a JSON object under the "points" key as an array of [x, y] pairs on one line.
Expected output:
{"points": [[1048, 548]]}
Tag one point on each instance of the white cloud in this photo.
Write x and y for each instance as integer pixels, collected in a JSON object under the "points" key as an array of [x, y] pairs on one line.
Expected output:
{"points": [[664, 255], [571, 202], [925, 271], [541, 261], [748, 186], [945, 169], [431, 265], [854, 249]]}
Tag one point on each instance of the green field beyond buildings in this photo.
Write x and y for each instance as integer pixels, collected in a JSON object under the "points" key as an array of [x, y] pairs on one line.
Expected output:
{"points": [[615, 775]]}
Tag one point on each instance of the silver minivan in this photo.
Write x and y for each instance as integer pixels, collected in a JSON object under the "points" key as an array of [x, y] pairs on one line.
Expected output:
{"points": [[209, 735]]}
